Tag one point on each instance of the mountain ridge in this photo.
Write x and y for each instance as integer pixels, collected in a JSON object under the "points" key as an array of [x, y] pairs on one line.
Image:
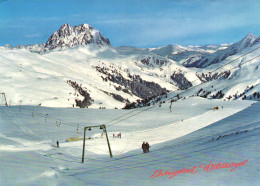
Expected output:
{"points": [[89, 72]]}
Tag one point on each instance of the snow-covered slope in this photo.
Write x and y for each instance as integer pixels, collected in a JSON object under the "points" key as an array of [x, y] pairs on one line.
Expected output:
{"points": [[171, 50], [185, 55], [240, 79], [78, 67], [111, 77], [236, 77], [208, 116], [33, 48], [221, 55], [96, 77], [201, 57], [82, 69], [192, 135]]}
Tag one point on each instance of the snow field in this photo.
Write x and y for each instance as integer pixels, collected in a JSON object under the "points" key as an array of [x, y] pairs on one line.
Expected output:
{"points": [[28, 149]]}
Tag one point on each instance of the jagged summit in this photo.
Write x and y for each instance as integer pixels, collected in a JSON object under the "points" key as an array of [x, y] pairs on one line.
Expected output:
{"points": [[68, 36], [250, 35], [247, 41]]}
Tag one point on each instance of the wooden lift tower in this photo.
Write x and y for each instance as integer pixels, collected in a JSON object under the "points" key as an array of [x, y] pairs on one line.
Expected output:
{"points": [[103, 127], [4, 98]]}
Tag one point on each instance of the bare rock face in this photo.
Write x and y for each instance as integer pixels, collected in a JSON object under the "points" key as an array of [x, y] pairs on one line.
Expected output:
{"points": [[68, 36]]}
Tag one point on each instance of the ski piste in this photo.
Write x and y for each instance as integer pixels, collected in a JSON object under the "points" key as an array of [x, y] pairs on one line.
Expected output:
{"points": [[177, 152]]}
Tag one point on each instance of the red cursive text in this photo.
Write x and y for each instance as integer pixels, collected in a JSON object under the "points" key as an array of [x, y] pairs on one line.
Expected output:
{"points": [[206, 167]]}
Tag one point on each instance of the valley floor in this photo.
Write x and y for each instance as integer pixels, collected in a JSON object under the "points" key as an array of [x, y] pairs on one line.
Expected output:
{"points": [[192, 136]]}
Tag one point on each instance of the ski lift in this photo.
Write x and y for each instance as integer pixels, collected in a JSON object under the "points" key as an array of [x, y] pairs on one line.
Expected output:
{"points": [[77, 130]]}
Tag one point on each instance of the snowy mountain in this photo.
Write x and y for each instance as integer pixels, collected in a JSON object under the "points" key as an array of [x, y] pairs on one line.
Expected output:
{"points": [[87, 76], [201, 57], [68, 36], [33, 48], [235, 77], [187, 55], [172, 50], [90, 73]]}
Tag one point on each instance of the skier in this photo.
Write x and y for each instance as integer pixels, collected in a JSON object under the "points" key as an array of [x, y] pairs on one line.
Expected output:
{"points": [[147, 146], [57, 144], [144, 147]]}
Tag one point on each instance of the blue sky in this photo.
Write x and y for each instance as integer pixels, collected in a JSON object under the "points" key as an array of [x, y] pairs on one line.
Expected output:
{"points": [[139, 23]]}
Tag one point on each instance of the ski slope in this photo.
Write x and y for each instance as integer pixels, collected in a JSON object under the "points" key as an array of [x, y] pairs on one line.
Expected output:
{"points": [[25, 74], [191, 135]]}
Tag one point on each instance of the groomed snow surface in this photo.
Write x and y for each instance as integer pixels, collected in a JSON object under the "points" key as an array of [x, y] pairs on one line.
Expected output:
{"points": [[193, 135]]}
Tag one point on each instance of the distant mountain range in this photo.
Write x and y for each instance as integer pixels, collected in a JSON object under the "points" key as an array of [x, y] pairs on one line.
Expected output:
{"points": [[78, 67], [199, 57]]}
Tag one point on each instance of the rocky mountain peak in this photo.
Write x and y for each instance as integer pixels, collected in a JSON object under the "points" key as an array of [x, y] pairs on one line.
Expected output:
{"points": [[69, 36], [250, 35], [247, 41]]}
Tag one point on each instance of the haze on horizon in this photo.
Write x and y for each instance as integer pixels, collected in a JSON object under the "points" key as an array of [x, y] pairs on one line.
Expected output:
{"points": [[149, 23]]}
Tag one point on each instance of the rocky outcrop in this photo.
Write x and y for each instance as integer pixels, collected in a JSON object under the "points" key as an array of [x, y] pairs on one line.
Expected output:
{"points": [[212, 76], [139, 87], [181, 81], [68, 36], [87, 101]]}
